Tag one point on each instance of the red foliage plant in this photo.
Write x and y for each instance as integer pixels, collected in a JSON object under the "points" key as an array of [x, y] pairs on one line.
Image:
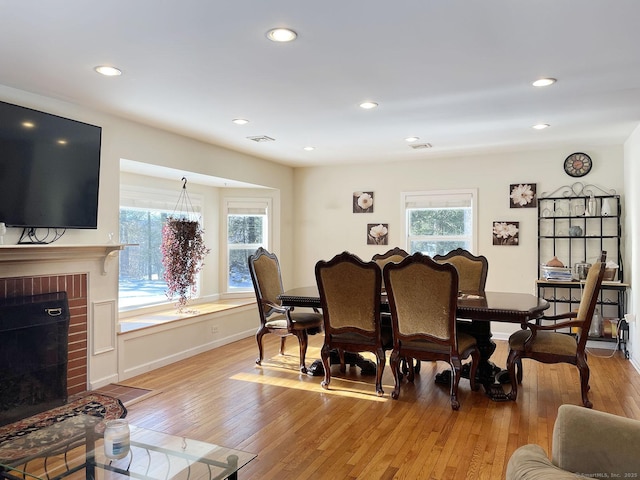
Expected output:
{"points": [[183, 252]]}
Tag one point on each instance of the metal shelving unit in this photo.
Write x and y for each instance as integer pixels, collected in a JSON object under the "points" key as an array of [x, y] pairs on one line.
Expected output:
{"points": [[575, 223]]}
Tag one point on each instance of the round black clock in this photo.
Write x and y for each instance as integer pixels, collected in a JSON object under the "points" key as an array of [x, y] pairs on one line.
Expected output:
{"points": [[578, 164]]}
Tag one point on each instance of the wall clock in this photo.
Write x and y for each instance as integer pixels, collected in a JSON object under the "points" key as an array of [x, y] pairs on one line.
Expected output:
{"points": [[578, 164]]}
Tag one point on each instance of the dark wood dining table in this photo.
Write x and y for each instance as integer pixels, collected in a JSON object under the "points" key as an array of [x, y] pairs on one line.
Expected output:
{"points": [[481, 310]]}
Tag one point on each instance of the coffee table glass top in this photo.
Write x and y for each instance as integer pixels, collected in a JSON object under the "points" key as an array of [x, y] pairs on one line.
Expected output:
{"points": [[73, 448]]}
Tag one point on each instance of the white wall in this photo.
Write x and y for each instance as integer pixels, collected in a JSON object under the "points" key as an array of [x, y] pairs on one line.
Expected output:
{"points": [[124, 139], [632, 232], [326, 225]]}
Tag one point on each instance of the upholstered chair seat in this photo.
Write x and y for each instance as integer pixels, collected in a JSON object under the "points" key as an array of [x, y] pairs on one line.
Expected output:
{"points": [[545, 342], [465, 342], [303, 321]]}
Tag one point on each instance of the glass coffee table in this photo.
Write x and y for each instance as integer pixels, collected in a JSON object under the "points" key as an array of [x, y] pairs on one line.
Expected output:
{"points": [[73, 449]]}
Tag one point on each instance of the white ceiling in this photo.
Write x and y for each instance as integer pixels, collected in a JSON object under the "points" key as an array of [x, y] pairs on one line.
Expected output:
{"points": [[456, 73]]}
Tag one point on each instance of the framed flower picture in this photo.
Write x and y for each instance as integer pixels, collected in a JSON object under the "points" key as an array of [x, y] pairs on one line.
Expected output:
{"points": [[377, 234], [506, 233], [523, 195], [362, 202]]}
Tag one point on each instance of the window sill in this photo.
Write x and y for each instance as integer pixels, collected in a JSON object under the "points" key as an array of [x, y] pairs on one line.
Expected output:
{"points": [[147, 320]]}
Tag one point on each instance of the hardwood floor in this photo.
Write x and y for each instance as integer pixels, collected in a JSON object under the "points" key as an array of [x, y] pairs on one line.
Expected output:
{"points": [[301, 431]]}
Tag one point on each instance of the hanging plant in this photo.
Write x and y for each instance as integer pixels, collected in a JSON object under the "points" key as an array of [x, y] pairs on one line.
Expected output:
{"points": [[183, 252]]}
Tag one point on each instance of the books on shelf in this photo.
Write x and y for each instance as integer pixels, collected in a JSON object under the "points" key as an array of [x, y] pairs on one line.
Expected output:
{"points": [[556, 274]]}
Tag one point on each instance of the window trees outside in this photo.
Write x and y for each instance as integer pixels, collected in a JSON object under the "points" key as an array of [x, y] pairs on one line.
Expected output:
{"points": [[143, 212], [140, 279], [247, 230], [438, 222]]}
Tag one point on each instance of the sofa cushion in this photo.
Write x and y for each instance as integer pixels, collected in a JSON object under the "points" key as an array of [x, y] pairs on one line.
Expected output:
{"points": [[530, 462]]}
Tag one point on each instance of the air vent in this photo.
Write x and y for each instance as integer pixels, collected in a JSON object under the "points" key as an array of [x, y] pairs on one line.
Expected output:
{"points": [[261, 138], [421, 145]]}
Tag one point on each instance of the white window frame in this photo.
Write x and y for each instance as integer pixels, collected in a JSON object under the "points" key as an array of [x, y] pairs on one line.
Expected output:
{"points": [[430, 198], [242, 203]]}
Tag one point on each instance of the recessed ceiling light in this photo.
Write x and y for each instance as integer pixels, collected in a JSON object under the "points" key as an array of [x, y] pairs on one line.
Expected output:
{"points": [[411, 139], [540, 126], [281, 35], [309, 149], [108, 71], [28, 124], [240, 121], [61, 141], [544, 82], [368, 105]]}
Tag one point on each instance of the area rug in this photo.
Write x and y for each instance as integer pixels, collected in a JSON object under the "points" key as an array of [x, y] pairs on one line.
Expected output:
{"points": [[28, 436]]}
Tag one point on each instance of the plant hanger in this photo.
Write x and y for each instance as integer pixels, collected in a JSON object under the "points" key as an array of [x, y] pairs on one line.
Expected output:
{"points": [[184, 208]]}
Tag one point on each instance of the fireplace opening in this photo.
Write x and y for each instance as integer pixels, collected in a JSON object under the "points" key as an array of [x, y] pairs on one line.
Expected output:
{"points": [[33, 354]]}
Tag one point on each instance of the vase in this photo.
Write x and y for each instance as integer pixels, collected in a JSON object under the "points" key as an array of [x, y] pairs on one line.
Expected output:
{"points": [[607, 209], [554, 262], [592, 208], [575, 231]]}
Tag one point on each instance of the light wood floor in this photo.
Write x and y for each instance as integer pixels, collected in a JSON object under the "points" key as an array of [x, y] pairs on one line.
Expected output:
{"points": [[301, 431]]}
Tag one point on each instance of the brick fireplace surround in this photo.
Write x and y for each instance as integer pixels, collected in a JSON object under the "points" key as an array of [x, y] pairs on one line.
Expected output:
{"points": [[76, 287]]}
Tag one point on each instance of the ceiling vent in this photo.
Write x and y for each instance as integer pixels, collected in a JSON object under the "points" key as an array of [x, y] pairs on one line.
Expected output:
{"points": [[261, 138], [418, 146]]}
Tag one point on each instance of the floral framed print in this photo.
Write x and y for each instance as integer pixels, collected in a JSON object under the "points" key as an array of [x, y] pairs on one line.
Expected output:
{"points": [[506, 233], [377, 234], [362, 202], [523, 195]]}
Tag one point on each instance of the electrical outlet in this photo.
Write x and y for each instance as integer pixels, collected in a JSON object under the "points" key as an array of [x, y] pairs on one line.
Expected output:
{"points": [[630, 317], [214, 329]]}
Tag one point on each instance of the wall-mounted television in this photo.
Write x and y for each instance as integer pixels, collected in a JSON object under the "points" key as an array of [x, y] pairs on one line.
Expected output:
{"points": [[49, 170]]}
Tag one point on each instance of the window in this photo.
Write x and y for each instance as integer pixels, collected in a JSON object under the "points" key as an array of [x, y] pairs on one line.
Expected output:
{"points": [[143, 212], [440, 221], [247, 230]]}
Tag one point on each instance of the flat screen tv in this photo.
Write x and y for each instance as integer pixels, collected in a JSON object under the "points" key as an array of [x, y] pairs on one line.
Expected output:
{"points": [[49, 170]]}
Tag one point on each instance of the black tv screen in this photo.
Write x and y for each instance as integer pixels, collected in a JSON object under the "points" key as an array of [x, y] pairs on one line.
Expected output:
{"points": [[49, 170]]}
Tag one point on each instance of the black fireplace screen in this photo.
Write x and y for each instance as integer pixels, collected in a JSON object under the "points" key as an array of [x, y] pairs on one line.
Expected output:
{"points": [[33, 354]]}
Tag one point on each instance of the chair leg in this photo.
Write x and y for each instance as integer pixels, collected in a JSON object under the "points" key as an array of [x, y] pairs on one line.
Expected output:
{"points": [[343, 365], [584, 380], [394, 362], [282, 342], [475, 360], [512, 360], [456, 368], [381, 360], [325, 354], [519, 365], [412, 371], [417, 366], [259, 334], [303, 340]]}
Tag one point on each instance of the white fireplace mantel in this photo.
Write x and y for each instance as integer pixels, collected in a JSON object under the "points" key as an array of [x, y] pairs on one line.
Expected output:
{"points": [[38, 253]]}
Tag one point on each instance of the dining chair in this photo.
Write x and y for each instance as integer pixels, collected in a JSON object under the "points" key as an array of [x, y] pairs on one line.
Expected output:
{"points": [[472, 269], [274, 317], [396, 255], [545, 344], [472, 278], [423, 297], [349, 291]]}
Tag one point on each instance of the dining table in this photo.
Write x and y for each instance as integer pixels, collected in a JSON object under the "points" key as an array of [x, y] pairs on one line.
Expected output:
{"points": [[479, 310]]}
